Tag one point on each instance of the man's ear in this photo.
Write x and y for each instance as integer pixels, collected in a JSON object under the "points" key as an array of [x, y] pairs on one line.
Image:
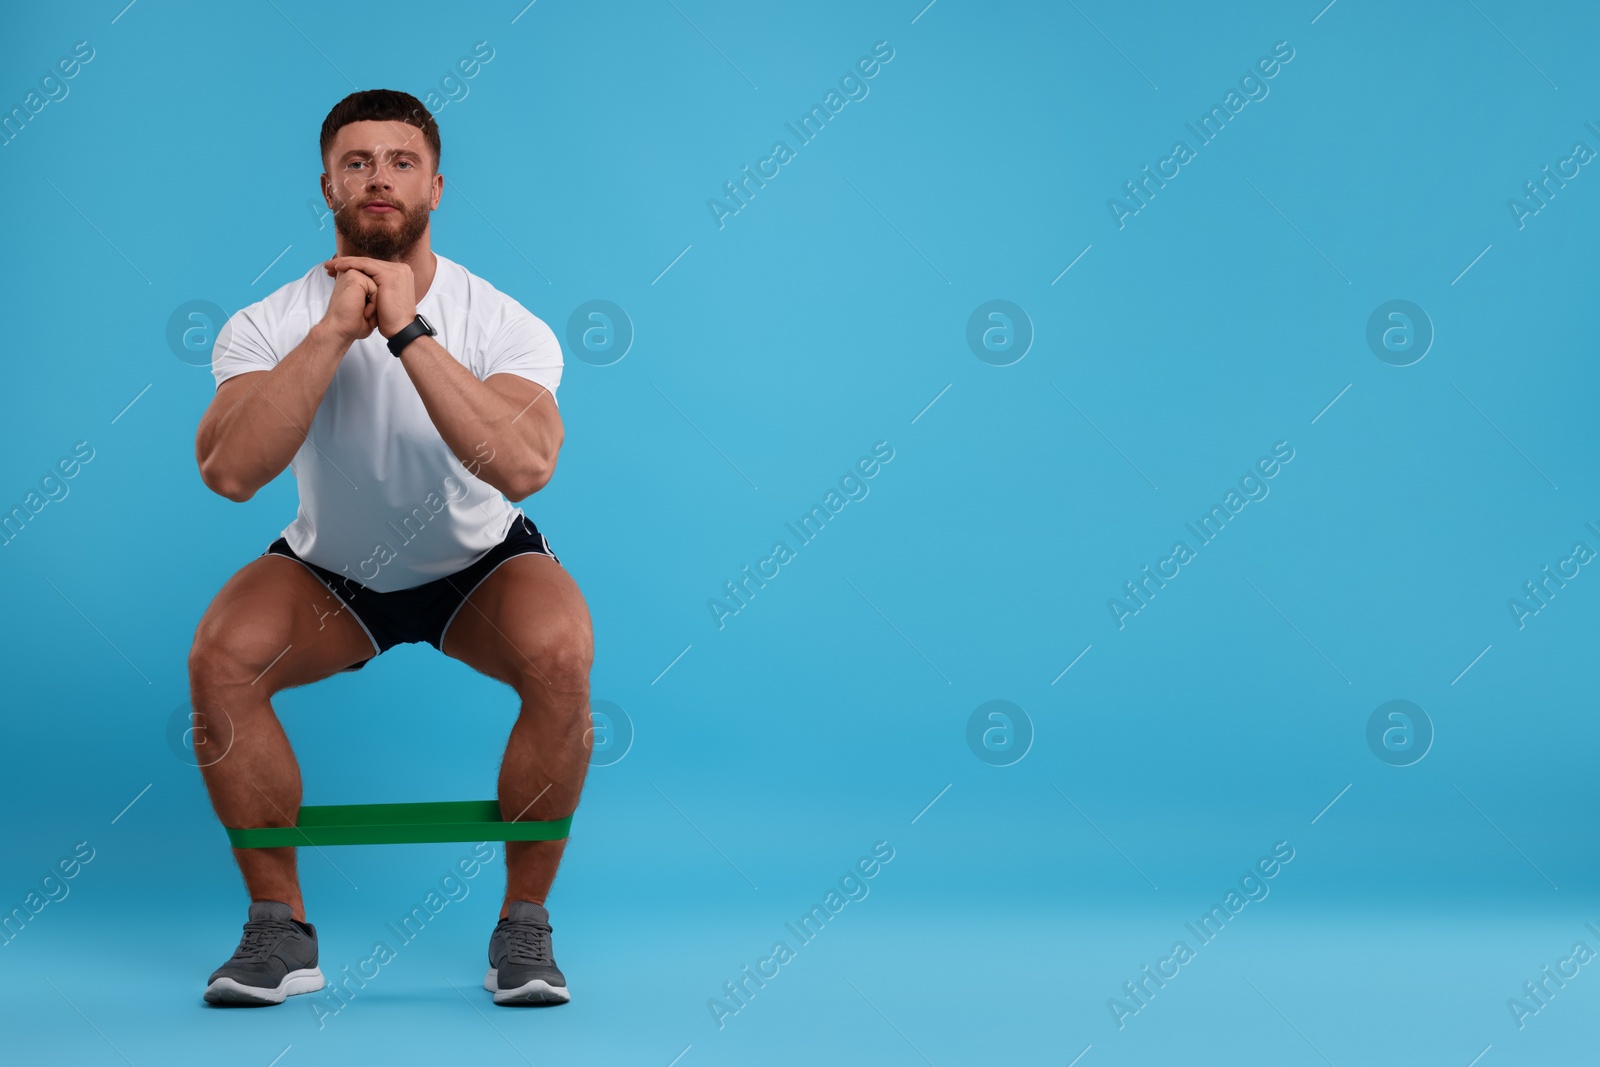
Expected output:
{"points": [[330, 193]]}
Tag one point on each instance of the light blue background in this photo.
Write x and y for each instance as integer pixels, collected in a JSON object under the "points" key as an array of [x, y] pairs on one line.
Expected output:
{"points": [[824, 317]]}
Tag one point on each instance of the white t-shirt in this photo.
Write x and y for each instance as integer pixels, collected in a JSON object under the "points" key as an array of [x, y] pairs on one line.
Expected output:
{"points": [[383, 500]]}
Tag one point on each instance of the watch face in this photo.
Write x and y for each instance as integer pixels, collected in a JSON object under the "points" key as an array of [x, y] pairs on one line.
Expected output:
{"points": [[426, 325]]}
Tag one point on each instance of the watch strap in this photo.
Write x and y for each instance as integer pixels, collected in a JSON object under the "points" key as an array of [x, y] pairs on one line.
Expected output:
{"points": [[415, 329]]}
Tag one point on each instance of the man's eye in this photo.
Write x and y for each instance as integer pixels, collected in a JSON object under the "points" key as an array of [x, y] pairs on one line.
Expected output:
{"points": [[404, 163]]}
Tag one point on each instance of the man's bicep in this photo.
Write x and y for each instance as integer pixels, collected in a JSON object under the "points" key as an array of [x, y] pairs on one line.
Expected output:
{"points": [[222, 401], [533, 400]]}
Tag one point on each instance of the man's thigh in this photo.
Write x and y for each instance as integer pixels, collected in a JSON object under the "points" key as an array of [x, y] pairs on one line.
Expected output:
{"points": [[525, 621], [276, 624]]}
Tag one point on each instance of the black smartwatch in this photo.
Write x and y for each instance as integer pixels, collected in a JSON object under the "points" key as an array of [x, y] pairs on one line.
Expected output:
{"points": [[416, 329]]}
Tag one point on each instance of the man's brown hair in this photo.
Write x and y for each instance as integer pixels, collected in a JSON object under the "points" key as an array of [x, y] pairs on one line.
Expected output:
{"points": [[381, 105]]}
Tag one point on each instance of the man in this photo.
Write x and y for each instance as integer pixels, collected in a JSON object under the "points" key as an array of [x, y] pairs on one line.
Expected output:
{"points": [[410, 398]]}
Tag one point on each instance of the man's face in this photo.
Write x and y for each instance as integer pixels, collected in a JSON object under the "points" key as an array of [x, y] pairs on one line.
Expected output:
{"points": [[372, 164]]}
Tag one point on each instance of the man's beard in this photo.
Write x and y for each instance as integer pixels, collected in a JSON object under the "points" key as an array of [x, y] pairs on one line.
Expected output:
{"points": [[374, 236]]}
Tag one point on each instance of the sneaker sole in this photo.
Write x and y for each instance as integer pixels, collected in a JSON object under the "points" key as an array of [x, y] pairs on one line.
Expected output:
{"points": [[227, 991], [536, 992]]}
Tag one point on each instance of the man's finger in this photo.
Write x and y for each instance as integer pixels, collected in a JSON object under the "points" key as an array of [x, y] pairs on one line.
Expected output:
{"points": [[367, 282], [344, 265], [362, 263]]}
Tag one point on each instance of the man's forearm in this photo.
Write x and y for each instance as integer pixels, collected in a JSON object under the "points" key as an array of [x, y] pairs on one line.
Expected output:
{"points": [[468, 413], [250, 443]]}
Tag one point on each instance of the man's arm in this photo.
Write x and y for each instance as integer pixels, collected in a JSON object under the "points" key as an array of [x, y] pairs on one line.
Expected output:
{"points": [[514, 416], [257, 420]]}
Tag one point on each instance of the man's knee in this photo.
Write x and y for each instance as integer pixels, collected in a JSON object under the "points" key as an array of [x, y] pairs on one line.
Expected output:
{"points": [[560, 663], [222, 658]]}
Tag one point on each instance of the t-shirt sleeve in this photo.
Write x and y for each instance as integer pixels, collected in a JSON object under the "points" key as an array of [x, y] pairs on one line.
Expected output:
{"points": [[525, 346], [241, 346]]}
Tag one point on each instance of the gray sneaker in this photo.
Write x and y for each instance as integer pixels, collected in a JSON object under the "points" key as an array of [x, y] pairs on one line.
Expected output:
{"points": [[276, 958], [522, 968]]}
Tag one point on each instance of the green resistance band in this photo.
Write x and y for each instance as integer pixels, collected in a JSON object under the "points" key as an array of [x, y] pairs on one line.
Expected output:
{"points": [[398, 824]]}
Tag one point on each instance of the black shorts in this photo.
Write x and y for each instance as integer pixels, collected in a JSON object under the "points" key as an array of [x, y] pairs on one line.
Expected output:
{"points": [[423, 612]]}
